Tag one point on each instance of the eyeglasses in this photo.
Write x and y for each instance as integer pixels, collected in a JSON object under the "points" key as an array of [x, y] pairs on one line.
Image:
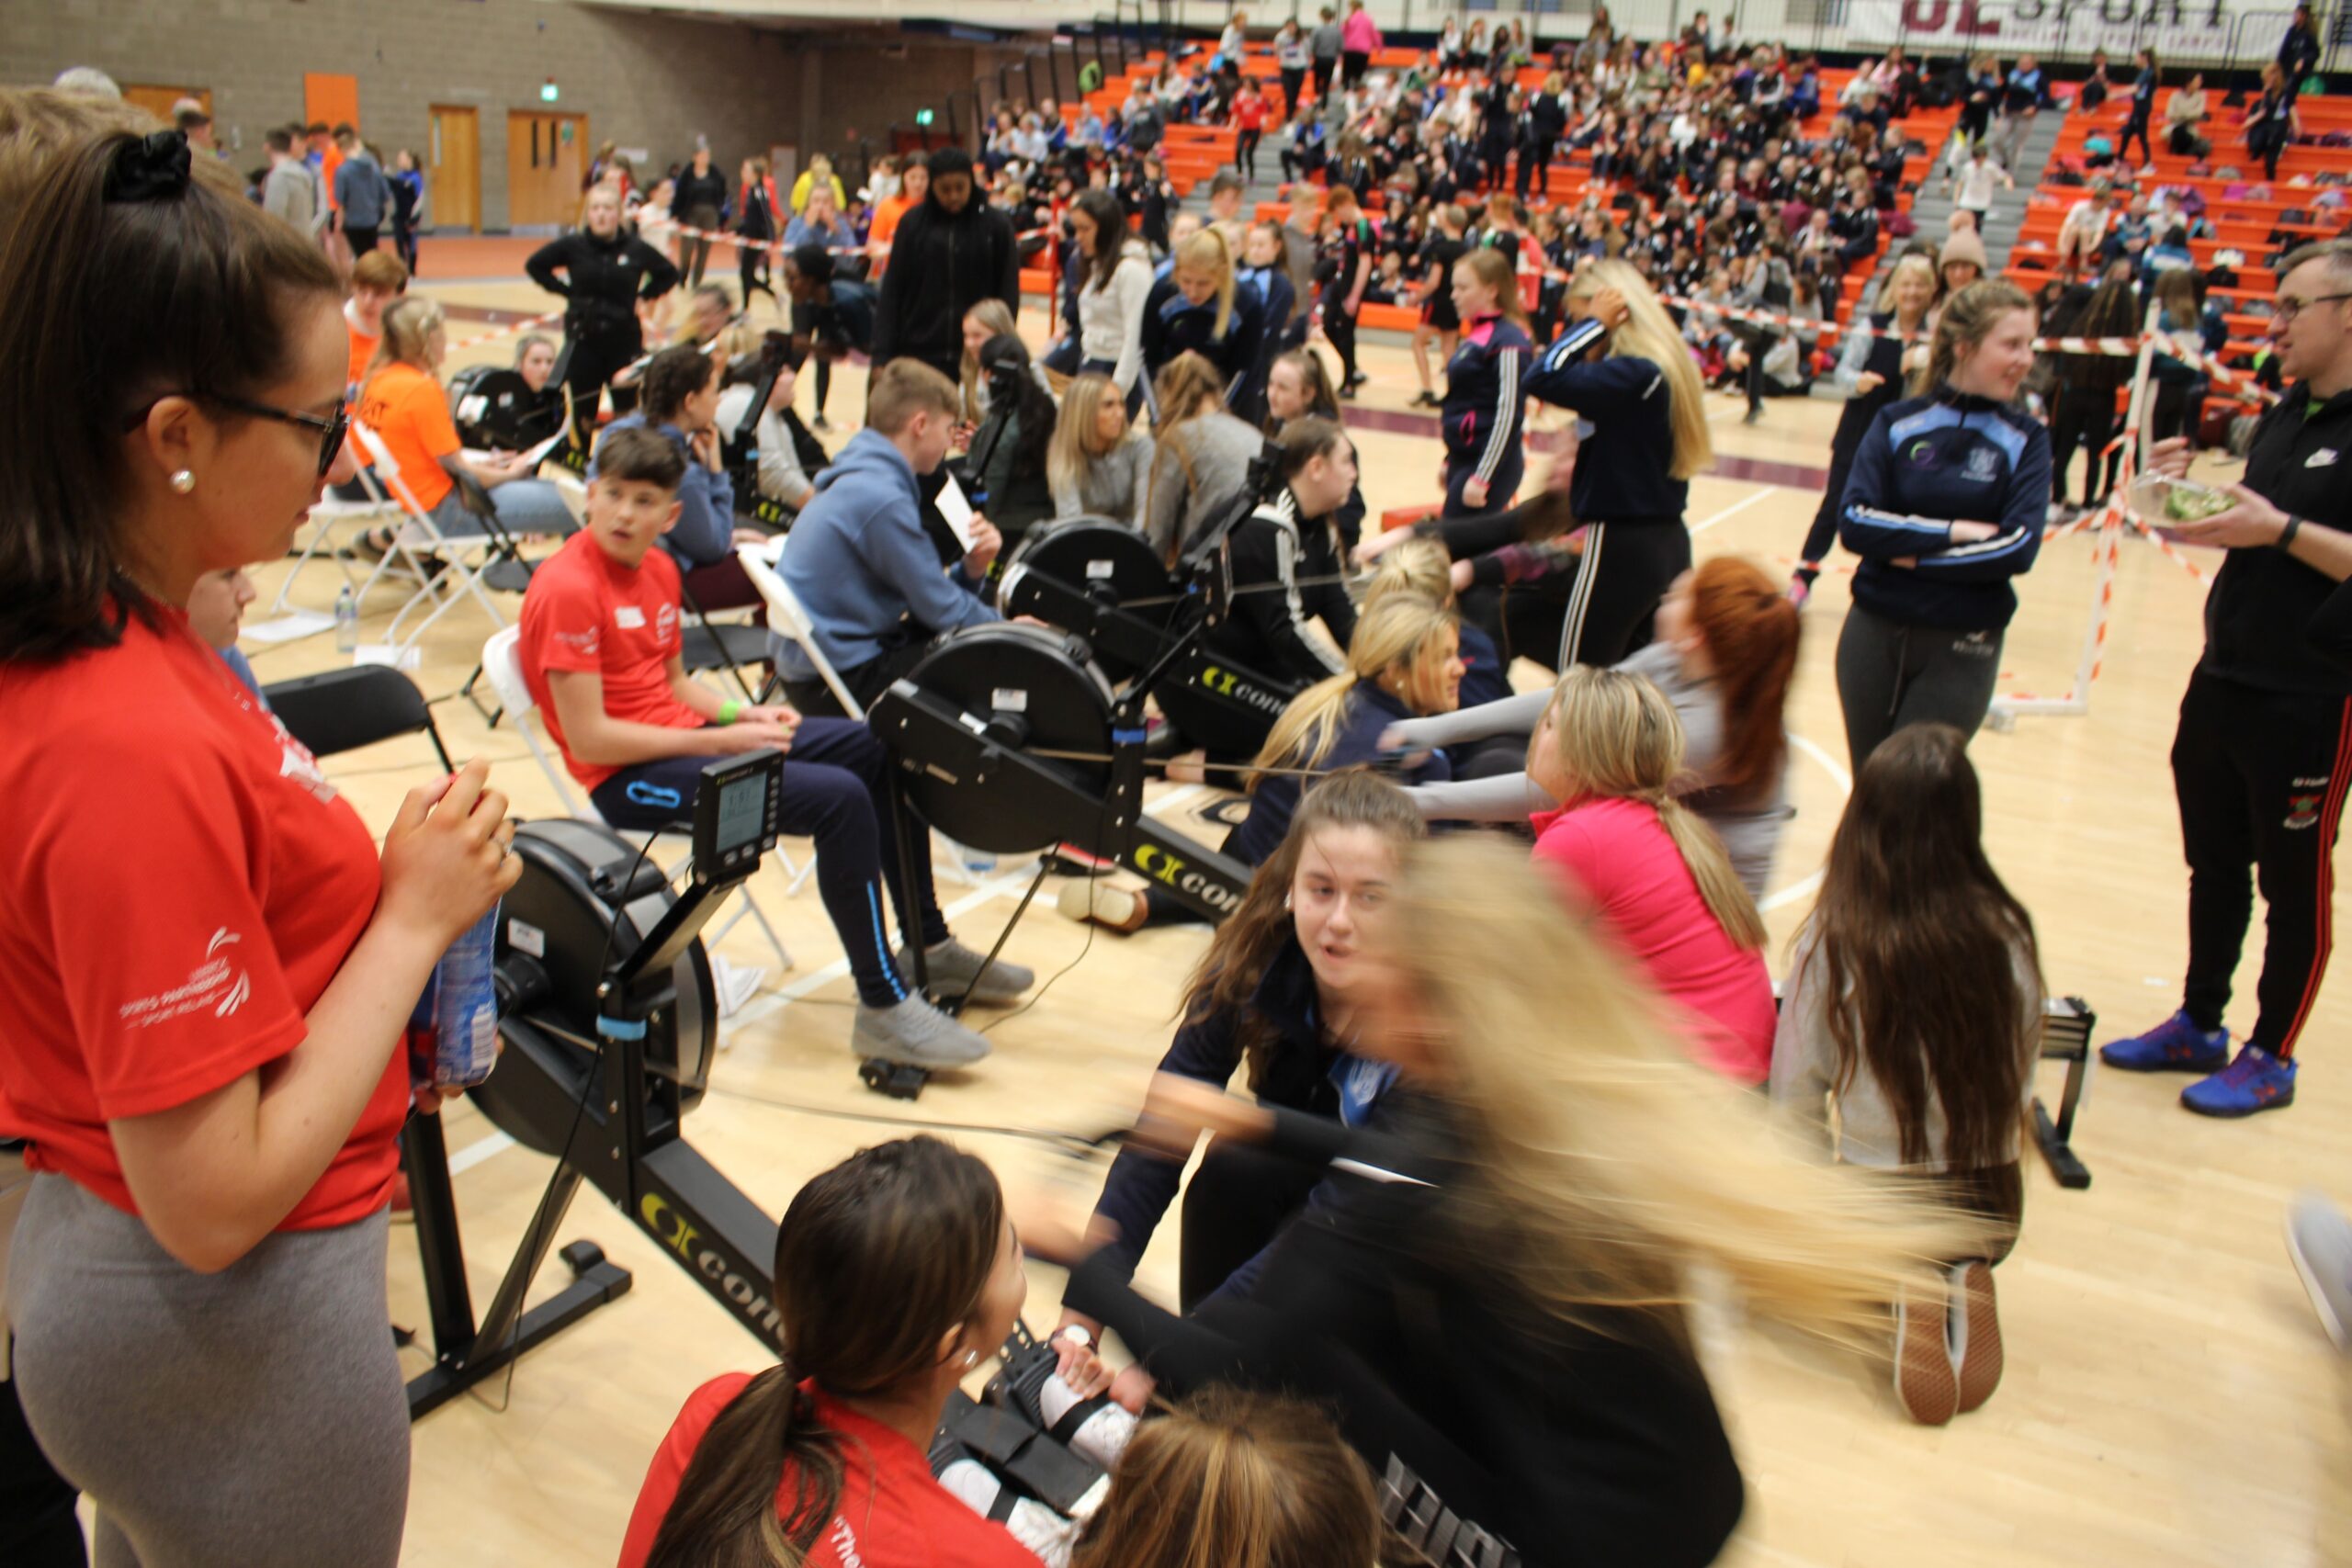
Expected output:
{"points": [[332, 428], [2290, 307]]}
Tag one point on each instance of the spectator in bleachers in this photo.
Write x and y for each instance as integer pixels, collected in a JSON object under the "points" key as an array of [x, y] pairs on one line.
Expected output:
{"points": [[2183, 112], [2144, 108], [2084, 228], [2022, 95], [2270, 120], [2096, 86], [2298, 51]]}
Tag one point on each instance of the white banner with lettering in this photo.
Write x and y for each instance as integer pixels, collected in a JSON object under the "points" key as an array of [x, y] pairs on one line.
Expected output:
{"points": [[2180, 30]]}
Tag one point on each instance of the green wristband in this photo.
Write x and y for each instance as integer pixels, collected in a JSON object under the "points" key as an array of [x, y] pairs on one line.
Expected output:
{"points": [[730, 710]]}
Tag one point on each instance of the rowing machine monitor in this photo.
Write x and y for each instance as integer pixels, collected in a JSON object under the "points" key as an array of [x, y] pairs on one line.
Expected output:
{"points": [[609, 1022]]}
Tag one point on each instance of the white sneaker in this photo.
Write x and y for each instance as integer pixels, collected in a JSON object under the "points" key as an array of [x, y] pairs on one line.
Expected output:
{"points": [[735, 983]]}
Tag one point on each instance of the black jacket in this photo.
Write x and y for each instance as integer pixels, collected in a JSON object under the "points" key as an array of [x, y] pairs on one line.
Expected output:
{"points": [[1267, 631], [1295, 1073], [1596, 1446], [602, 281], [700, 190], [2258, 615], [942, 265]]}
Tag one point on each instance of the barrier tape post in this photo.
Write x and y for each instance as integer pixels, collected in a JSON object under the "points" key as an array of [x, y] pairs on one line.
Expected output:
{"points": [[2006, 710]]}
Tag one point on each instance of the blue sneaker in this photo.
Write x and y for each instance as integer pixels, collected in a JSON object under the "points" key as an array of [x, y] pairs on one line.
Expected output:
{"points": [[2256, 1081], [2176, 1045]]}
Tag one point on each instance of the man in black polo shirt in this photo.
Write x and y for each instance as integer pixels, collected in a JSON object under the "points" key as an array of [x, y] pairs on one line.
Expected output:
{"points": [[2264, 751]]}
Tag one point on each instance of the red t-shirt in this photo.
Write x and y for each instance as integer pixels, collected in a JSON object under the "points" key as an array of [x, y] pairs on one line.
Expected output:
{"points": [[587, 613], [1250, 111], [1624, 860], [892, 1514], [179, 885]]}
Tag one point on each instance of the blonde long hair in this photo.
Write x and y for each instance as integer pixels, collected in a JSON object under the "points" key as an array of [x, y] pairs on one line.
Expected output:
{"points": [[1607, 1161], [1615, 737], [1075, 448], [1206, 252], [1650, 333], [1403, 632], [1417, 566]]}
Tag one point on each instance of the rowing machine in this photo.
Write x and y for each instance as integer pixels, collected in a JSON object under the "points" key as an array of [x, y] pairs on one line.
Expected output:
{"points": [[609, 1025], [1105, 582]]}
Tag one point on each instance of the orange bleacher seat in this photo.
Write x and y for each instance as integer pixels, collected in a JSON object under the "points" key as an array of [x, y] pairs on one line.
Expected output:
{"points": [[1406, 516]]}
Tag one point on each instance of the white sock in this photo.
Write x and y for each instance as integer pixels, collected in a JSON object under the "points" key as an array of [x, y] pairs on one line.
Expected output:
{"points": [[1047, 1534], [1102, 1438]]}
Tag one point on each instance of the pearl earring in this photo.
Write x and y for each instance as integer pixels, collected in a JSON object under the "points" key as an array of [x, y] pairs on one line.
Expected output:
{"points": [[182, 482]]}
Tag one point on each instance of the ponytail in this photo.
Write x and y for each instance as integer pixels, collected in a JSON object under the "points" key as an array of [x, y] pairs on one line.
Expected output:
{"points": [[1720, 887], [734, 1519], [1402, 632], [1751, 633]]}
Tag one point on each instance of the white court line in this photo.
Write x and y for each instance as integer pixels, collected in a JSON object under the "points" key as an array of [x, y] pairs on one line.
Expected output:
{"points": [[768, 1003], [1735, 508]]}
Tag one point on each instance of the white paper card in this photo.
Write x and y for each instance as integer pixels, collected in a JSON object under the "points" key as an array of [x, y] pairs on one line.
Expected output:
{"points": [[957, 510]]}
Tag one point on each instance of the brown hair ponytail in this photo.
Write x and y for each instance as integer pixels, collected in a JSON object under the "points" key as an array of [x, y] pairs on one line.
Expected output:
{"points": [[1969, 317], [875, 1262]]}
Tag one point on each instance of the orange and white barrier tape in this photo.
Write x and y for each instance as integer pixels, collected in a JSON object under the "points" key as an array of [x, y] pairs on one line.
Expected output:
{"points": [[510, 329]]}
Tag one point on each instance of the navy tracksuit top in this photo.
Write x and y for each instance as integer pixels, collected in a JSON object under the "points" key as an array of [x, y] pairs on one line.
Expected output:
{"points": [[1623, 472], [1930, 462], [1485, 399]]}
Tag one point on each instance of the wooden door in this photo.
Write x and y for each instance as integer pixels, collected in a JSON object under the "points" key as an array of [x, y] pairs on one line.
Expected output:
{"points": [[546, 159], [453, 168], [158, 100]]}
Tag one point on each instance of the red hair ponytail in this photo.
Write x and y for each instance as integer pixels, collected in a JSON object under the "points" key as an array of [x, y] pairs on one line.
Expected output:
{"points": [[1750, 630]]}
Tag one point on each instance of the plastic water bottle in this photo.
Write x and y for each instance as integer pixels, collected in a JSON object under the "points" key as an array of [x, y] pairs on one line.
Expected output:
{"points": [[979, 863], [453, 1034], [347, 621]]}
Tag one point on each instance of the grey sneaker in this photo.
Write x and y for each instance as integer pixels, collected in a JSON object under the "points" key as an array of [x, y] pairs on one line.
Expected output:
{"points": [[915, 1032], [2319, 1238], [952, 966]]}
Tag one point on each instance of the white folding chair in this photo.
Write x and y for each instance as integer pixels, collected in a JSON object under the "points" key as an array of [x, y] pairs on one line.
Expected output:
{"points": [[788, 619], [329, 513], [502, 664], [463, 557]]}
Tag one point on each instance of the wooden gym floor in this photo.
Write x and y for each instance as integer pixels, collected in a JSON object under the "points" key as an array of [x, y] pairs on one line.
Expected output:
{"points": [[2169, 1398]]}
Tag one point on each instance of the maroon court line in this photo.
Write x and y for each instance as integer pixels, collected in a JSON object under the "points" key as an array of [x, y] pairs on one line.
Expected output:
{"points": [[1749, 470]]}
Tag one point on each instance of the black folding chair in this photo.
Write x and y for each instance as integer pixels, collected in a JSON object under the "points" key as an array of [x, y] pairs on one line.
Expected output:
{"points": [[343, 710]]}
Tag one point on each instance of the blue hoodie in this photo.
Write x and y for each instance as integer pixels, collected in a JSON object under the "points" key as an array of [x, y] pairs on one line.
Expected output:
{"points": [[705, 534], [1930, 462], [860, 562]]}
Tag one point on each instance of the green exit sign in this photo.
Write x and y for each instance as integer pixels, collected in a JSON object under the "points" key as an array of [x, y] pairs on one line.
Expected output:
{"points": [[547, 92], [922, 117]]}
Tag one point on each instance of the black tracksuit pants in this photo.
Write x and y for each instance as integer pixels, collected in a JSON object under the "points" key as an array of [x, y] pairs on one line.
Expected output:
{"points": [[595, 356], [2260, 776]]}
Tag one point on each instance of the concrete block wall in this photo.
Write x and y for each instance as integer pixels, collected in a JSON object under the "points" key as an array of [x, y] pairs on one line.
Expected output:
{"points": [[651, 81]]}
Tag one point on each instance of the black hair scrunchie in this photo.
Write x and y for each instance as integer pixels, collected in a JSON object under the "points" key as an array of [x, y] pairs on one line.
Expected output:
{"points": [[150, 169]]}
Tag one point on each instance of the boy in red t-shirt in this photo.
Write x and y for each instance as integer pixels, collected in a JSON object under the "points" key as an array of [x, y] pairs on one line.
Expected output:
{"points": [[600, 652]]}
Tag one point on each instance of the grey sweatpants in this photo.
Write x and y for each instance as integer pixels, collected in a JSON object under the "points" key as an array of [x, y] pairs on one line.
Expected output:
{"points": [[1891, 674], [255, 1417]]}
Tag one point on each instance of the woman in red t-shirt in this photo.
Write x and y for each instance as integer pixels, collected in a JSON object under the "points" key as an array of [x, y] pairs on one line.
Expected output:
{"points": [[209, 964], [896, 1272], [1609, 747]]}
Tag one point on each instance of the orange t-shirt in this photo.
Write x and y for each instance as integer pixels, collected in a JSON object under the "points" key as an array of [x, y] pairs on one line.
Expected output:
{"points": [[362, 349], [407, 407], [885, 219], [329, 160]]}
